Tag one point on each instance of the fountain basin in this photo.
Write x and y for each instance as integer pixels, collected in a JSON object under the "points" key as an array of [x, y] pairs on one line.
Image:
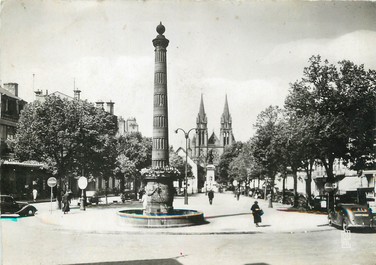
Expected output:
{"points": [[177, 218]]}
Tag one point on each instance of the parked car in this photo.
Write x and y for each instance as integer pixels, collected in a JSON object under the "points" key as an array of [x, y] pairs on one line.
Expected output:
{"points": [[320, 203], [351, 215], [10, 206], [128, 195], [92, 197]]}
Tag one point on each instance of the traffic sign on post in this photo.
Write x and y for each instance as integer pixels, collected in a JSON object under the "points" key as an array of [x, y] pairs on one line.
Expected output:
{"points": [[51, 182], [82, 184]]}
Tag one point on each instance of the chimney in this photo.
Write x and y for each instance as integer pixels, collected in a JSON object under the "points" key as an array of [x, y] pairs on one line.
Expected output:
{"points": [[99, 104], [12, 88], [77, 94], [110, 107], [38, 94]]}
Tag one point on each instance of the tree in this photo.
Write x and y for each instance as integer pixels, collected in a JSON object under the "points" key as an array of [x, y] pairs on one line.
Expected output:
{"points": [[242, 167], [137, 149], [293, 148], [125, 170], [226, 158], [65, 135], [264, 144], [178, 162], [339, 103]]}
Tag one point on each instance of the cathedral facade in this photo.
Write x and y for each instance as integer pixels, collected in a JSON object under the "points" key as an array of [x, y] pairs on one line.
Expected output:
{"points": [[205, 149]]}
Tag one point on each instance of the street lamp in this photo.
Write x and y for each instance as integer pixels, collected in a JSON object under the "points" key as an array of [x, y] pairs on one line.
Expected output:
{"points": [[186, 135]]}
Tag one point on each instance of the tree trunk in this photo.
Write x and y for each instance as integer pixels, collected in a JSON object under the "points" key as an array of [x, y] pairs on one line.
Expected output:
{"points": [[122, 184], [105, 190], [295, 176], [309, 169], [283, 188], [271, 193], [328, 164]]}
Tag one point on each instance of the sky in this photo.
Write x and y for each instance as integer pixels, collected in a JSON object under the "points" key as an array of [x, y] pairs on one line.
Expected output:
{"points": [[249, 50]]}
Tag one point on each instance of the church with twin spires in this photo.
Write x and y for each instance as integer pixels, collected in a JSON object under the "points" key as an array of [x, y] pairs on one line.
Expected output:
{"points": [[206, 150]]}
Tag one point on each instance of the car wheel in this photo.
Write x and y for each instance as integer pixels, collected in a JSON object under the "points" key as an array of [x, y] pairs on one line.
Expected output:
{"points": [[330, 221], [30, 212], [345, 224]]}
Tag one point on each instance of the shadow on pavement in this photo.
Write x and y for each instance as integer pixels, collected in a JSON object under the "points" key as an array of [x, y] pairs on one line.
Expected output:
{"points": [[363, 230], [262, 263], [136, 262], [226, 215], [264, 225]]}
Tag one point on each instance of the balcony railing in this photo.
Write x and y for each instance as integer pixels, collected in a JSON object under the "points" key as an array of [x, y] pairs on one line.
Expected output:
{"points": [[10, 117]]}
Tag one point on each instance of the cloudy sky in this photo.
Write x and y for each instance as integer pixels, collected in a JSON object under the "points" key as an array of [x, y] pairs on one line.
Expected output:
{"points": [[248, 50]]}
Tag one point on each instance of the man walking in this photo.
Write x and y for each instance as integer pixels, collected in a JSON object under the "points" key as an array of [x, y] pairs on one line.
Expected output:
{"points": [[211, 196]]}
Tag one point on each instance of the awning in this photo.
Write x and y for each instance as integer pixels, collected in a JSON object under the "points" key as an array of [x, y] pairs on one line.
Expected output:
{"points": [[23, 164]]}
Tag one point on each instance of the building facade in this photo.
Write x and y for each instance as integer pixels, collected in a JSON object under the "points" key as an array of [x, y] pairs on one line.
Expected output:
{"points": [[129, 125], [11, 107], [17, 178]]}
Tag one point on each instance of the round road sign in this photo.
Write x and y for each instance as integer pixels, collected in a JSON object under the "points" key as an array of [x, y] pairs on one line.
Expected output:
{"points": [[82, 183], [51, 182]]}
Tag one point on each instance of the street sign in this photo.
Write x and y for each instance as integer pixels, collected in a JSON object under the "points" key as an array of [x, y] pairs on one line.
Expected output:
{"points": [[82, 183], [329, 187], [51, 182]]}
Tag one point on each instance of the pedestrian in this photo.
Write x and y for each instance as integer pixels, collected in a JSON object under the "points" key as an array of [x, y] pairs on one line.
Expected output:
{"points": [[237, 194], [59, 197], [257, 212], [140, 193], [210, 196], [144, 201], [66, 202], [35, 194]]}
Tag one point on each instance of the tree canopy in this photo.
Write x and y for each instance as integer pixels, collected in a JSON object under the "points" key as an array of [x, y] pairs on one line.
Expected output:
{"points": [[338, 103], [226, 158], [67, 135], [134, 154]]}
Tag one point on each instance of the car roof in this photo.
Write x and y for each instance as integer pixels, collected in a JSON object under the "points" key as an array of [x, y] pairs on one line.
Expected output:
{"points": [[348, 205]]}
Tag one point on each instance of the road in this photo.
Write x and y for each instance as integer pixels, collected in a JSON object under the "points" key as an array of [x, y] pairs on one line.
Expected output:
{"points": [[28, 241]]}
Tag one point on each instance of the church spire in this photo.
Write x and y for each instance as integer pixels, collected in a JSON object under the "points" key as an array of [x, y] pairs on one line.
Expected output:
{"points": [[226, 117], [201, 118], [226, 136], [202, 127]]}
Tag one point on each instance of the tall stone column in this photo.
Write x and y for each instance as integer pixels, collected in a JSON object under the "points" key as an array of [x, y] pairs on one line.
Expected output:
{"points": [[160, 155], [159, 187]]}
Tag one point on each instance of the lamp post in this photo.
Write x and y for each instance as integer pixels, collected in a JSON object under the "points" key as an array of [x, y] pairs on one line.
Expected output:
{"points": [[186, 135]]}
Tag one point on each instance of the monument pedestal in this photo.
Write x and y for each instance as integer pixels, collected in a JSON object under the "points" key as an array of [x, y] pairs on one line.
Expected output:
{"points": [[160, 196], [211, 184]]}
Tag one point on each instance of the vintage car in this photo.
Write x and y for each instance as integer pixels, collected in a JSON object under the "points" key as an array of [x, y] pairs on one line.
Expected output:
{"points": [[351, 215], [9, 207]]}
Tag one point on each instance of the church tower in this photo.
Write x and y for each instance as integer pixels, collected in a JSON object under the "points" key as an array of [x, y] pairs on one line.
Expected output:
{"points": [[226, 136], [201, 137]]}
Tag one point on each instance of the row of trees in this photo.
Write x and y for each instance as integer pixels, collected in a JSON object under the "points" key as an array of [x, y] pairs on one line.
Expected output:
{"points": [[329, 114], [73, 138]]}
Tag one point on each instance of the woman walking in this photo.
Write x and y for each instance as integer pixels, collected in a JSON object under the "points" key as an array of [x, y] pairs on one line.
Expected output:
{"points": [[256, 211]]}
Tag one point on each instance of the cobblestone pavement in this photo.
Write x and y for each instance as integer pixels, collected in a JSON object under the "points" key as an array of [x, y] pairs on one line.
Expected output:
{"points": [[225, 216]]}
